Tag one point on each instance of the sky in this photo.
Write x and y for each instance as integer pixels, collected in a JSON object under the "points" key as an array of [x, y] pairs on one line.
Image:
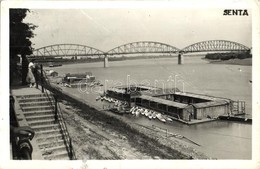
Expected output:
{"points": [[105, 29]]}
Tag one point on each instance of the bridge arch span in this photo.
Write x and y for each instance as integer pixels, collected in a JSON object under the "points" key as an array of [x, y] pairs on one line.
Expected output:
{"points": [[215, 45], [57, 50], [141, 47]]}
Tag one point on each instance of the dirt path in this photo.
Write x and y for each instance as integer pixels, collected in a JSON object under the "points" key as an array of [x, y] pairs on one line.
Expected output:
{"points": [[94, 138]]}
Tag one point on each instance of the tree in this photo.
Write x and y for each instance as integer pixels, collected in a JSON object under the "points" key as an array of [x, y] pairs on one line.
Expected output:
{"points": [[20, 44]]}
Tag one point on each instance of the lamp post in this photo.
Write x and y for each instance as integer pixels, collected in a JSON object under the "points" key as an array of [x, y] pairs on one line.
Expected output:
{"points": [[175, 83]]}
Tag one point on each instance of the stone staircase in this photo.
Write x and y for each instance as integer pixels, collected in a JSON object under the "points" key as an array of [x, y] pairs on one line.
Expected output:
{"points": [[39, 112]]}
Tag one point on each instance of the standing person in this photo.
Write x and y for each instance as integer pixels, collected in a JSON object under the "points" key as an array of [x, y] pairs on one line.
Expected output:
{"points": [[30, 76]]}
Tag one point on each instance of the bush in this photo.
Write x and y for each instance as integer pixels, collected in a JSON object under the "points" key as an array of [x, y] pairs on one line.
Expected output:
{"points": [[227, 56]]}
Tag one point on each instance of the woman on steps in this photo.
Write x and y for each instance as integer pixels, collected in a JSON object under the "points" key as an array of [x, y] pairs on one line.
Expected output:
{"points": [[30, 77]]}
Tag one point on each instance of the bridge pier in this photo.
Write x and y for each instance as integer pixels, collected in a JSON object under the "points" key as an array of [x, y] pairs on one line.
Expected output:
{"points": [[105, 61], [180, 58]]}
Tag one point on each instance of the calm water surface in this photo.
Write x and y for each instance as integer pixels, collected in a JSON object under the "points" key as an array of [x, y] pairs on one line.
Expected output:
{"points": [[219, 139]]}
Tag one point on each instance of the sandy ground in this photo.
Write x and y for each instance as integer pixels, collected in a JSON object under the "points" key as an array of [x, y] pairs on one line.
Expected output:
{"points": [[94, 139]]}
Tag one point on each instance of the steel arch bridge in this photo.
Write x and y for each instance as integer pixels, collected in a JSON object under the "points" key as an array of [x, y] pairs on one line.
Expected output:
{"points": [[142, 47], [214, 45], [61, 50]]}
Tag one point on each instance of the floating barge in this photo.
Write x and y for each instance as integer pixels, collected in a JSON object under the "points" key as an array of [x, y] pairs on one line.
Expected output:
{"points": [[82, 79], [188, 108], [236, 118]]}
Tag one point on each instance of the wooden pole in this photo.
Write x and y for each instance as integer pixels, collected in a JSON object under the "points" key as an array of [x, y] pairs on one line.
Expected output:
{"points": [[56, 108], [42, 79], [36, 76], [70, 149]]}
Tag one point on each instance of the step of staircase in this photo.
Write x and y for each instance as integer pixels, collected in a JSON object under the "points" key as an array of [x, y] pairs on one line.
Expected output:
{"points": [[49, 144], [36, 103], [40, 117], [46, 127], [41, 122], [62, 155], [26, 100], [37, 108], [51, 138], [53, 150], [31, 96], [47, 132], [38, 113]]}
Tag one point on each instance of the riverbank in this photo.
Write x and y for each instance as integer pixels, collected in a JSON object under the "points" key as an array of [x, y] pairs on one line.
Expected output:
{"points": [[98, 134], [243, 62], [97, 137]]}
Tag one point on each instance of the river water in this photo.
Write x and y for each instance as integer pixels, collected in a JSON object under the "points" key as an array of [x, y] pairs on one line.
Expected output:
{"points": [[218, 139]]}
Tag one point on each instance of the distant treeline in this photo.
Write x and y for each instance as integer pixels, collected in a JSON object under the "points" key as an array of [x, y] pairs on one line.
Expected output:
{"points": [[57, 61], [89, 60], [227, 56], [138, 57]]}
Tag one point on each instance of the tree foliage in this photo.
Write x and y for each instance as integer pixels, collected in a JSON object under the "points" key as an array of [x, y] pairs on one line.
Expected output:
{"points": [[20, 44]]}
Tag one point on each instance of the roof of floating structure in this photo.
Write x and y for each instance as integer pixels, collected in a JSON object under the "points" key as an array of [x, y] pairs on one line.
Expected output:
{"points": [[160, 92], [117, 90], [210, 104], [147, 90], [204, 97], [78, 75], [199, 96], [138, 86], [163, 101]]}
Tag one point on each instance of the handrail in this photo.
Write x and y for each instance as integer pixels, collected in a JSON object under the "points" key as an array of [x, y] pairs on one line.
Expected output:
{"points": [[58, 113], [68, 139]]}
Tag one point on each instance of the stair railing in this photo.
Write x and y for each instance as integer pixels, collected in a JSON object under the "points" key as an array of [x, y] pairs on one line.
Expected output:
{"points": [[66, 136], [45, 84]]}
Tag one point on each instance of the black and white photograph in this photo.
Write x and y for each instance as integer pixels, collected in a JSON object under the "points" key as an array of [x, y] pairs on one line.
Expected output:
{"points": [[130, 83]]}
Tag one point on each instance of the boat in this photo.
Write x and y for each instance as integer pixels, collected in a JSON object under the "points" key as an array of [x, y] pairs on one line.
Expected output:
{"points": [[112, 100], [133, 112], [54, 65], [149, 113], [142, 112], [98, 98], [154, 115], [137, 113], [162, 120], [158, 115], [67, 85], [150, 116], [146, 113], [132, 109], [179, 136], [169, 119]]}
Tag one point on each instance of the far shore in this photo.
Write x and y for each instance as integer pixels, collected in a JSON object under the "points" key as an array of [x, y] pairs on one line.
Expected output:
{"points": [[244, 62]]}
